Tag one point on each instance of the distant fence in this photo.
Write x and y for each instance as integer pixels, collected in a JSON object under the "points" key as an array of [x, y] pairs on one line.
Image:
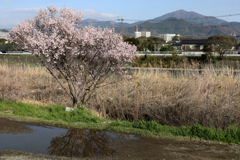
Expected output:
{"points": [[181, 52], [157, 52], [176, 71], [7, 47], [185, 53], [15, 53]]}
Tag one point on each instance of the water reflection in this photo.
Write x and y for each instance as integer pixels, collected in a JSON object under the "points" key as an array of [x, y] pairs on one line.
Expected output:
{"points": [[20, 136], [84, 143]]}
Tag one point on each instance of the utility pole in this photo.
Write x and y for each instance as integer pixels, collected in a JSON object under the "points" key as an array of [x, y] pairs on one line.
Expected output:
{"points": [[120, 19]]}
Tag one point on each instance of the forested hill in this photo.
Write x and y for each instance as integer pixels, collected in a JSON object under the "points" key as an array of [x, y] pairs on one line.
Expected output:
{"points": [[183, 27]]}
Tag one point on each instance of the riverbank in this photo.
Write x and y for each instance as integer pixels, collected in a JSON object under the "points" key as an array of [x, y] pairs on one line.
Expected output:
{"points": [[158, 107], [84, 119], [210, 98]]}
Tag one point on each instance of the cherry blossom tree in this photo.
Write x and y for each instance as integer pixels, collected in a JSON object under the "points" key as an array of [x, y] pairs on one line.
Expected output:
{"points": [[79, 58]]}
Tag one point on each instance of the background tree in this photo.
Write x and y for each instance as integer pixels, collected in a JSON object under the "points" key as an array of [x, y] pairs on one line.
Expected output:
{"points": [[185, 37], [80, 59], [132, 41], [4, 30], [176, 38], [150, 46], [208, 49], [222, 44], [142, 46], [167, 48], [151, 43], [155, 40], [2, 41]]}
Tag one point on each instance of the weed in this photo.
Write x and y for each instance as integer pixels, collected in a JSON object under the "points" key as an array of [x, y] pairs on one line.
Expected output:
{"points": [[56, 112], [210, 98], [230, 135]]}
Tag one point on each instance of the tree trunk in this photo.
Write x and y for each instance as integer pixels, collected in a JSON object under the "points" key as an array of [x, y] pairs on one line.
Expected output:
{"points": [[75, 103]]}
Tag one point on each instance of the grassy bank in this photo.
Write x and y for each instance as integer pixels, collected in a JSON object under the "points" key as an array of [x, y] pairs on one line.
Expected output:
{"points": [[210, 98], [83, 118]]}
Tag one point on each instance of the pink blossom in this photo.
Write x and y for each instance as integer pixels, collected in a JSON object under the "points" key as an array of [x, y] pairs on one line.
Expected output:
{"points": [[75, 52]]}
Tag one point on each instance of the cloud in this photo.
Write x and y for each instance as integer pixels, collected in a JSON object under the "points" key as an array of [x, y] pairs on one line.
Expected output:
{"points": [[92, 14], [11, 17]]}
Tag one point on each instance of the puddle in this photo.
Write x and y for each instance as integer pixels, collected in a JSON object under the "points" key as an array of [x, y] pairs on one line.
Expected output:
{"points": [[35, 138], [58, 141]]}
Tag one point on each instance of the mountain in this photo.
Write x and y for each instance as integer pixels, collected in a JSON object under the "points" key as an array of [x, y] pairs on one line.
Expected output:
{"points": [[4, 30], [89, 21], [104, 24], [183, 27], [194, 17], [191, 17], [235, 24], [179, 22]]}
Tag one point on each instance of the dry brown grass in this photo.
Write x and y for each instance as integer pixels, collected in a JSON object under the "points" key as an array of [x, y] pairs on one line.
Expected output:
{"points": [[210, 98], [30, 85]]}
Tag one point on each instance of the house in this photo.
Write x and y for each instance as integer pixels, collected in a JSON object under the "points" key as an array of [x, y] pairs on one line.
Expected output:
{"points": [[140, 34], [197, 45], [193, 44], [177, 46]]}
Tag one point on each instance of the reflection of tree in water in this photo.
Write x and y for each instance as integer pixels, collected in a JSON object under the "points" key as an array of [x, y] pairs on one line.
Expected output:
{"points": [[81, 143]]}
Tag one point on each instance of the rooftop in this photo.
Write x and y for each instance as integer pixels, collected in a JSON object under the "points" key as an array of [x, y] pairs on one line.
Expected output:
{"points": [[195, 41]]}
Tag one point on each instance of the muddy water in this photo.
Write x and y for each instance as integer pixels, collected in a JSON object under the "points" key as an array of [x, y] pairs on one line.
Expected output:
{"points": [[57, 141], [52, 141]]}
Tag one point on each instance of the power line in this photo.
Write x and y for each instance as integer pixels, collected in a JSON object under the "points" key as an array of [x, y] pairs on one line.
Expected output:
{"points": [[98, 21], [207, 17], [138, 20], [229, 15]]}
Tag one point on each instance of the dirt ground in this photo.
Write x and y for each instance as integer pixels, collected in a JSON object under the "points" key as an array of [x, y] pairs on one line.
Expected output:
{"points": [[143, 149]]}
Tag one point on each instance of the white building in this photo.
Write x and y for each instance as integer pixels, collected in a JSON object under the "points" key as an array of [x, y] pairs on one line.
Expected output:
{"points": [[3, 34], [140, 34], [137, 34], [146, 34], [167, 37]]}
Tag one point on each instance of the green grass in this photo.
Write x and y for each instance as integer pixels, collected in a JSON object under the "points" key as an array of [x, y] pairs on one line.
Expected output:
{"points": [[56, 112], [83, 118], [230, 135]]}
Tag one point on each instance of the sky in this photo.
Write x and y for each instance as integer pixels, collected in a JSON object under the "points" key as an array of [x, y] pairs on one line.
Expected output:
{"points": [[13, 12]]}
